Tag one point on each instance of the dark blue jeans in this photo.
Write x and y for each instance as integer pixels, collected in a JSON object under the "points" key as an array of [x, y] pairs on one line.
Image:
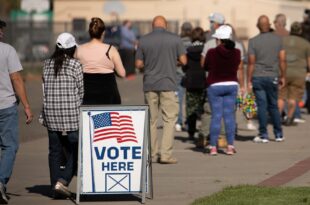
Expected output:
{"points": [[222, 101], [8, 141], [57, 145], [266, 93]]}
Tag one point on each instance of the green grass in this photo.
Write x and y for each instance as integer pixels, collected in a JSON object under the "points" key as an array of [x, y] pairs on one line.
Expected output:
{"points": [[256, 195]]}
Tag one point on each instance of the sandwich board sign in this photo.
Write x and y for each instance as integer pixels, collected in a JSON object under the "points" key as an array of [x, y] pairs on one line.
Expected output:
{"points": [[114, 151]]}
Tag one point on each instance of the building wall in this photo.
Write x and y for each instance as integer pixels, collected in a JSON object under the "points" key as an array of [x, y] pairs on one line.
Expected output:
{"points": [[242, 14]]}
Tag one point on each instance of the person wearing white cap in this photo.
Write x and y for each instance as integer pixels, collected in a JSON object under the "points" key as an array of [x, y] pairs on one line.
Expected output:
{"points": [[63, 91], [216, 20], [223, 63]]}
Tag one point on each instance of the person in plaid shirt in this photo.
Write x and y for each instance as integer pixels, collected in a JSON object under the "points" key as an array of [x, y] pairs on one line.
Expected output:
{"points": [[62, 97]]}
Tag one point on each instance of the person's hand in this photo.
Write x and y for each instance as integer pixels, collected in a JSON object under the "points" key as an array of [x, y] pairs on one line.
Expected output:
{"points": [[242, 91], [249, 87], [29, 115], [281, 82]]}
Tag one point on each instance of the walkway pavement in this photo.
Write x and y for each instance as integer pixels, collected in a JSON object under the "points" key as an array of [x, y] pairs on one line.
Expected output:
{"points": [[196, 175]]}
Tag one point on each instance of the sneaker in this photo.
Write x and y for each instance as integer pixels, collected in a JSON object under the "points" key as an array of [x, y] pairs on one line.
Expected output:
{"points": [[62, 189], [178, 127], [299, 120], [258, 139], [230, 150], [213, 151], [170, 160], [3, 197], [289, 122], [251, 126], [279, 139]]}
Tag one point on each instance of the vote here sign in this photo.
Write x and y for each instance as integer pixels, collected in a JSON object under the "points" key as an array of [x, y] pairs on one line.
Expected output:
{"points": [[112, 144]]}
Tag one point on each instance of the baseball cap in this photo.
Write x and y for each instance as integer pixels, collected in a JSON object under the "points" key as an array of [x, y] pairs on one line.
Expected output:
{"points": [[2, 24], [217, 17], [296, 28], [223, 32], [66, 40]]}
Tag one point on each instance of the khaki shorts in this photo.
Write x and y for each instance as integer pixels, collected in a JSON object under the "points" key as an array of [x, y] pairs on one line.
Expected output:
{"points": [[294, 88]]}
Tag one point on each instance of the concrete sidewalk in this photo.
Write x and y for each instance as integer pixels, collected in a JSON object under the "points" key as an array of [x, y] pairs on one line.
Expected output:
{"points": [[196, 175]]}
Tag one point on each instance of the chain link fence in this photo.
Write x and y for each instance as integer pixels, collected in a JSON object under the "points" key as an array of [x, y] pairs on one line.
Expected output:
{"points": [[35, 41]]}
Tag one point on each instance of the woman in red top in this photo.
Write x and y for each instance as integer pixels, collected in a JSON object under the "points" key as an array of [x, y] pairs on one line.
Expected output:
{"points": [[222, 64]]}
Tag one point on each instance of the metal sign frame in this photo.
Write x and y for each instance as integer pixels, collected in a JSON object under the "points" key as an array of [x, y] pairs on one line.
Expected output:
{"points": [[146, 182]]}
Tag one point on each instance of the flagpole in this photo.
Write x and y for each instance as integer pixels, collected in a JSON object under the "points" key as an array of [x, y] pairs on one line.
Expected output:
{"points": [[91, 154]]}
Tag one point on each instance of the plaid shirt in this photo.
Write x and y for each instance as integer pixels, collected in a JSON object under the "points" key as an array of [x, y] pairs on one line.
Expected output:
{"points": [[62, 95]]}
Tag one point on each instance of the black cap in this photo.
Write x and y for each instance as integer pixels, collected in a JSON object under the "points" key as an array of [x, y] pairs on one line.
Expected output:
{"points": [[2, 24]]}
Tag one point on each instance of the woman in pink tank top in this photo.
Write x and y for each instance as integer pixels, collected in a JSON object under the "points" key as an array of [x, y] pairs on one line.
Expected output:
{"points": [[100, 63]]}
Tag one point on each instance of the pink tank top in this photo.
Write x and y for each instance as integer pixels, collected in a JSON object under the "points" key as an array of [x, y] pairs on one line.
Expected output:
{"points": [[95, 58]]}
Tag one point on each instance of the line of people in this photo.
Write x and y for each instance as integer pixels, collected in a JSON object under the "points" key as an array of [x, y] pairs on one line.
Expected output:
{"points": [[210, 67]]}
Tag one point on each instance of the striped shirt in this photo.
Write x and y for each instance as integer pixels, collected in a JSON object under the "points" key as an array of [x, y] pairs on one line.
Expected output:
{"points": [[62, 95]]}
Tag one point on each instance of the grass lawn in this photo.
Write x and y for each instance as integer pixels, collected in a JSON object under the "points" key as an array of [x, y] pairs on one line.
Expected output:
{"points": [[256, 195]]}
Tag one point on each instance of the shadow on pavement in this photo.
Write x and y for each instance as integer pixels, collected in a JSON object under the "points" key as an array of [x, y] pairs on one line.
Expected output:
{"points": [[109, 197], [44, 190], [244, 138]]}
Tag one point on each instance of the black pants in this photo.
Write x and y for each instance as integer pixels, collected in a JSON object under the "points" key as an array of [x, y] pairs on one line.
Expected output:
{"points": [[56, 144], [128, 59]]}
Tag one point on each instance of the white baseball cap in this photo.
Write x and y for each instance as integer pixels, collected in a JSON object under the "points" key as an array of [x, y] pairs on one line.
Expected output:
{"points": [[223, 32], [217, 17], [65, 41]]}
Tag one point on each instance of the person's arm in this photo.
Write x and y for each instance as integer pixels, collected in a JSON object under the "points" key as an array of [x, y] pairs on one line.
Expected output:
{"points": [[19, 87], [119, 68], [182, 59], [139, 63], [80, 81], [250, 70], [241, 77], [282, 65]]}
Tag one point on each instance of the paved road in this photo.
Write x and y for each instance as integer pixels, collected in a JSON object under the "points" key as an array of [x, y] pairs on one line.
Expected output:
{"points": [[197, 174]]}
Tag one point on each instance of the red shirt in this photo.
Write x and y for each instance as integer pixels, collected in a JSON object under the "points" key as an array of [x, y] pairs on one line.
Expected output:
{"points": [[222, 64]]}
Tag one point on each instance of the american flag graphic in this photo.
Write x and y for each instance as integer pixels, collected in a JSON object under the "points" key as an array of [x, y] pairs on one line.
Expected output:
{"points": [[110, 125]]}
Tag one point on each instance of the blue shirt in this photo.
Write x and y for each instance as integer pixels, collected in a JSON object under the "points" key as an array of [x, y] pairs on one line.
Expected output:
{"points": [[128, 38]]}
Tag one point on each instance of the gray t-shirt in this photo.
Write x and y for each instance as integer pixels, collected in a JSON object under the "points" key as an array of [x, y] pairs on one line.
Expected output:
{"points": [[9, 63], [160, 50], [266, 48], [212, 44]]}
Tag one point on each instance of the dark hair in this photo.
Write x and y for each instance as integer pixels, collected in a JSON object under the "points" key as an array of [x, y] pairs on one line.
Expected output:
{"points": [[59, 56], [96, 27], [229, 44], [198, 35]]}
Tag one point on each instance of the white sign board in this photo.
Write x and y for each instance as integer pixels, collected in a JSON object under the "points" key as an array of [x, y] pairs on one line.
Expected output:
{"points": [[114, 152]]}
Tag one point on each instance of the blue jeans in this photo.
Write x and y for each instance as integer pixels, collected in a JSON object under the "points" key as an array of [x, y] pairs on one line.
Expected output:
{"points": [[57, 145], [266, 93], [9, 141], [222, 101]]}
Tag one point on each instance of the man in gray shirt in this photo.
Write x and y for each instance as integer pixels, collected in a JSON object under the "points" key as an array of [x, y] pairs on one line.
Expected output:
{"points": [[266, 56], [11, 81], [158, 53]]}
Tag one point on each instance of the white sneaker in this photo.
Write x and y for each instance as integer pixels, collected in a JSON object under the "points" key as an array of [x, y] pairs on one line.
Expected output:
{"points": [[251, 126], [62, 189], [299, 120], [257, 139], [279, 139], [178, 127]]}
